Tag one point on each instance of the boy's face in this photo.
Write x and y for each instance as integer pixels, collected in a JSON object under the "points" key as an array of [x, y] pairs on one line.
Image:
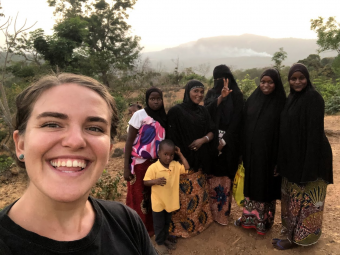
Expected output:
{"points": [[132, 110], [166, 154]]}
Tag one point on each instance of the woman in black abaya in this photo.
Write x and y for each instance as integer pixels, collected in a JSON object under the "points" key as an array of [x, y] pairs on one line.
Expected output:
{"points": [[260, 146], [226, 111], [304, 162], [191, 129]]}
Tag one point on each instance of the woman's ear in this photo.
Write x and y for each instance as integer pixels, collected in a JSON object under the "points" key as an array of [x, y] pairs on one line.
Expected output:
{"points": [[111, 147], [19, 143]]}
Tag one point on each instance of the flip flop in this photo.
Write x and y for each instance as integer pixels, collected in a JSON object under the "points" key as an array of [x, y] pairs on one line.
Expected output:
{"points": [[275, 240], [172, 238], [278, 246], [170, 245], [237, 222]]}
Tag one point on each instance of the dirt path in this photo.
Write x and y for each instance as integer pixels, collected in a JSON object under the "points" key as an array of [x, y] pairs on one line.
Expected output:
{"points": [[230, 239]]}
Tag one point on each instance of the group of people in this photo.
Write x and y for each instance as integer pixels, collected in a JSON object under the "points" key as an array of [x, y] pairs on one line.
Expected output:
{"points": [[281, 142], [64, 130]]}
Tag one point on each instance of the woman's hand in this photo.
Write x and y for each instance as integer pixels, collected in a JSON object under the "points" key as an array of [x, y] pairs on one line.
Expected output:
{"points": [[195, 145], [128, 176], [225, 91], [220, 146], [275, 172]]}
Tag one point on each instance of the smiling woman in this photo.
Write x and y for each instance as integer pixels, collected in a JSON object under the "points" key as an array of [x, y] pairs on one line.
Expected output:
{"points": [[65, 126]]}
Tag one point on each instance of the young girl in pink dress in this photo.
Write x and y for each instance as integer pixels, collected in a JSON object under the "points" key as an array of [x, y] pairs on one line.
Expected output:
{"points": [[146, 131]]}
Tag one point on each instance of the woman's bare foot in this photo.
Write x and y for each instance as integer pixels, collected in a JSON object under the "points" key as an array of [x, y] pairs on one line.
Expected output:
{"points": [[282, 244]]}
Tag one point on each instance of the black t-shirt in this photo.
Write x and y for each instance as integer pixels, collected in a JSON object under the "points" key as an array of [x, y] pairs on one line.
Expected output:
{"points": [[117, 230]]}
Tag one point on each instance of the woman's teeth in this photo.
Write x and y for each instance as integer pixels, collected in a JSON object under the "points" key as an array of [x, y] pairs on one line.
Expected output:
{"points": [[68, 163]]}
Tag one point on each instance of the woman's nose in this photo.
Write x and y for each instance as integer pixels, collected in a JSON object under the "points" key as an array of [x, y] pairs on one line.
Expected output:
{"points": [[74, 138]]}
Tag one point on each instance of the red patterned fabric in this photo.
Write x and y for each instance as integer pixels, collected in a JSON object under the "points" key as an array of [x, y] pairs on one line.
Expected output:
{"points": [[258, 215], [139, 196]]}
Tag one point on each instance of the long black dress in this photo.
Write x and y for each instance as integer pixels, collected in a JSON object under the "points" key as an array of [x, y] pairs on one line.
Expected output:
{"points": [[227, 117], [187, 122], [260, 147], [305, 162]]}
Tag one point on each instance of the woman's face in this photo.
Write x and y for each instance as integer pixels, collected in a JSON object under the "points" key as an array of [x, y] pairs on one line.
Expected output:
{"points": [[155, 101], [298, 81], [66, 143], [196, 95], [267, 85]]}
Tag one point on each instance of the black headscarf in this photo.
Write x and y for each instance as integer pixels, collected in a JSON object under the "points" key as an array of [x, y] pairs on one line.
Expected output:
{"points": [[227, 117], [187, 122], [261, 140], [160, 114], [304, 154], [192, 84]]}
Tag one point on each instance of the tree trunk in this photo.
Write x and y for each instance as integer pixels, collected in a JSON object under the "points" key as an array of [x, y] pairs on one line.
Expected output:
{"points": [[105, 79]]}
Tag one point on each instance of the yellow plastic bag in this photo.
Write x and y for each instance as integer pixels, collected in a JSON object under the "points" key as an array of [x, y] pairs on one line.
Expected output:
{"points": [[239, 185]]}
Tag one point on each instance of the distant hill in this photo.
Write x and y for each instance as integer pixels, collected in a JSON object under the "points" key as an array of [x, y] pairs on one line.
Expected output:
{"points": [[240, 52]]}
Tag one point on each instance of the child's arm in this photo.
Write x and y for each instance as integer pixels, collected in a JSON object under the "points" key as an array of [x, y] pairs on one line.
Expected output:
{"points": [[159, 181], [182, 158]]}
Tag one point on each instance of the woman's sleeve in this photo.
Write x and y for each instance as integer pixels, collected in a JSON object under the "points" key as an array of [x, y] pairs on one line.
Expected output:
{"points": [[314, 111], [135, 120], [211, 123], [236, 120], [210, 103], [172, 132]]}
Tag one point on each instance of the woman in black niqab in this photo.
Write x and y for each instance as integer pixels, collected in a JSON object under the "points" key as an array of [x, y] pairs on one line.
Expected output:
{"points": [[262, 186], [191, 129], [226, 112], [304, 161]]}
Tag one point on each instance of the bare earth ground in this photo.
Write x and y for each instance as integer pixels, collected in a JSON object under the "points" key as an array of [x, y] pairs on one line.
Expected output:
{"points": [[229, 239]]}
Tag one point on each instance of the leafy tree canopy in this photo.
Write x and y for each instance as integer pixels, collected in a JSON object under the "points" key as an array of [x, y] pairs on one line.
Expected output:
{"points": [[328, 33], [91, 37], [278, 58]]}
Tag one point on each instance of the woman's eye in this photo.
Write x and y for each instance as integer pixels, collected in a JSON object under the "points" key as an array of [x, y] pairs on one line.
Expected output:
{"points": [[50, 125], [95, 129]]}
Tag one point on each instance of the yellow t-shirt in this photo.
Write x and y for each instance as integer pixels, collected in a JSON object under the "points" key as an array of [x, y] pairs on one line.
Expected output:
{"points": [[165, 197]]}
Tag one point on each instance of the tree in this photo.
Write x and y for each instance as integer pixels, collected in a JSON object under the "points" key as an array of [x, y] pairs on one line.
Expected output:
{"points": [[328, 34], [336, 65], [7, 49], [247, 86], [94, 37], [278, 58], [24, 46]]}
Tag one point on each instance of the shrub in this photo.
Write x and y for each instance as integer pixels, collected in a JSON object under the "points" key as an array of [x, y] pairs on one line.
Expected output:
{"points": [[5, 163], [332, 106], [107, 187]]}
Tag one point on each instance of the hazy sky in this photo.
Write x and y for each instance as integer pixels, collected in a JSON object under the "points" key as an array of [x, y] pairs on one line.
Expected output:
{"points": [[168, 23]]}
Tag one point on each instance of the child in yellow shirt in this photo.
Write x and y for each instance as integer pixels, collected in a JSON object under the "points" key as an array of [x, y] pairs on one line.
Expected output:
{"points": [[164, 176]]}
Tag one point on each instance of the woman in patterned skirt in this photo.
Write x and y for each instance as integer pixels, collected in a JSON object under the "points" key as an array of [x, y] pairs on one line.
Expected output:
{"points": [[190, 128], [304, 162], [146, 130], [226, 111], [260, 145]]}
